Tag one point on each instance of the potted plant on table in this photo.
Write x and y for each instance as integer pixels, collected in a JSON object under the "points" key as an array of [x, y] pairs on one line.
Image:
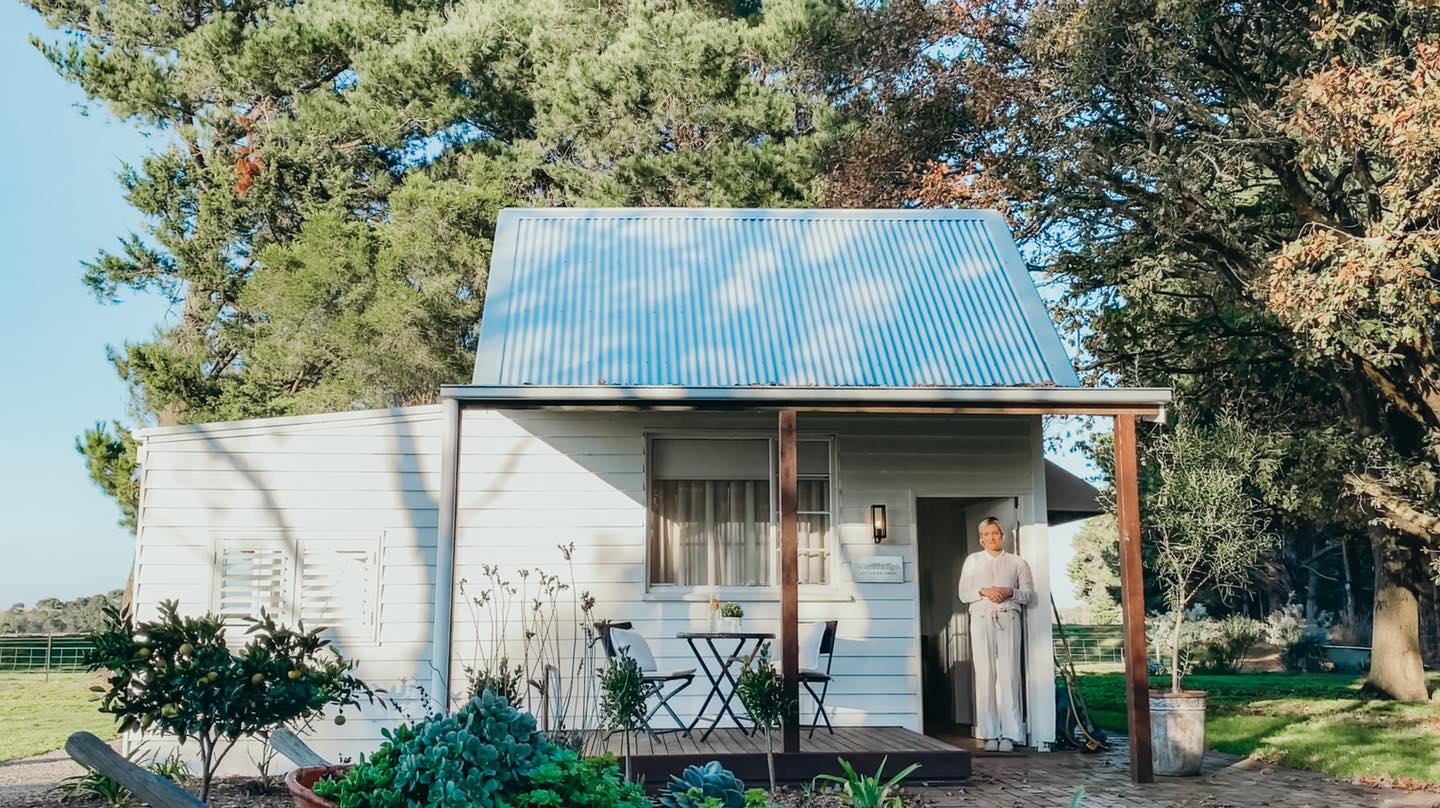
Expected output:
{"points": [[1206, 531], [730, 614]]}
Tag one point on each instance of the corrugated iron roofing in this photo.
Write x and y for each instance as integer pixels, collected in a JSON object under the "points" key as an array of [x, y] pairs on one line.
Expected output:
{"points": [[700, 297]]}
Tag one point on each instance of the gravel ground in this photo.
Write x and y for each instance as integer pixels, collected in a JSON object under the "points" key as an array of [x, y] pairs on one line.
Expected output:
{"points": [[30, 783]]}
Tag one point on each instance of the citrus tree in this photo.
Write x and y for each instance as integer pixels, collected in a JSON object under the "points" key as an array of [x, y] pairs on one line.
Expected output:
{"points": [[177, 676]]}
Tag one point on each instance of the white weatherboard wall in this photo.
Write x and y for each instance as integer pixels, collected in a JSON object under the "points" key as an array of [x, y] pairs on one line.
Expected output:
{"points": [[333, 487], [530, 481]]}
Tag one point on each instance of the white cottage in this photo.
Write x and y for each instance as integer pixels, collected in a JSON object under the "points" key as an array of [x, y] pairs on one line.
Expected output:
{"points": [[802, 411]]}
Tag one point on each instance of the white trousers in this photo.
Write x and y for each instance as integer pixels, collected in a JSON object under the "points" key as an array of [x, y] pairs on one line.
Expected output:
{"points": [[995, 641]]}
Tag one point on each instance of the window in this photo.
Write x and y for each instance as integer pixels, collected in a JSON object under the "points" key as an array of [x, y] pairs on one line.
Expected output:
{"points": [[713, 513], [329, 582]]}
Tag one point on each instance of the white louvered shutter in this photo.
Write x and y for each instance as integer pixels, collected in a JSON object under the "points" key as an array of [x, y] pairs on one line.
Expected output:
{"points": [[252, 575], [339, 589]]}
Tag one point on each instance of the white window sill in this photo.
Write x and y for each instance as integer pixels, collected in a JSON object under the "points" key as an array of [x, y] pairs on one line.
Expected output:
{"points": [[744, 594]]}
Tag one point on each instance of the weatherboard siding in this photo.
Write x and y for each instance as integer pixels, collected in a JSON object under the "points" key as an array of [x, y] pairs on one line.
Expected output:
{"points": [[508, 456], [345, 476], [531, 481]]}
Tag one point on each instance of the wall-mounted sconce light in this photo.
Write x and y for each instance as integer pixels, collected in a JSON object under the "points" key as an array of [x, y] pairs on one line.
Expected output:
{"points": [[877, 521]]}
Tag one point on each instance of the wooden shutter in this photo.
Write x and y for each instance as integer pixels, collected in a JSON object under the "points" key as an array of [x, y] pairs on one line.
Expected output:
{"points": [[251, 574], [339, 588]]}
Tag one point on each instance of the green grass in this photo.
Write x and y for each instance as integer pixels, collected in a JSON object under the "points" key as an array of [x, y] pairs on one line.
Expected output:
{"points": [[37, 715], [1321, 722]]}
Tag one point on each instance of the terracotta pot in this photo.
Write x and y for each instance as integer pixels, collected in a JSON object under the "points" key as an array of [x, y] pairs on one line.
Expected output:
{"points": [[299, 781], [1177, 731]]}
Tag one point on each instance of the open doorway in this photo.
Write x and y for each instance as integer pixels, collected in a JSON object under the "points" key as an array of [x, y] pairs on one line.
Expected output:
{"points": [[947, 532]]}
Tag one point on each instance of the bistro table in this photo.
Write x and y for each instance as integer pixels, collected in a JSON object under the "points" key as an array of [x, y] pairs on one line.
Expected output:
{"points": [[720, 677]]}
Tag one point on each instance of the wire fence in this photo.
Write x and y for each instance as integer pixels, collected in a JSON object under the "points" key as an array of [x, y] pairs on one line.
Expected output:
{"points": [[43, 653], [1092, 645]]}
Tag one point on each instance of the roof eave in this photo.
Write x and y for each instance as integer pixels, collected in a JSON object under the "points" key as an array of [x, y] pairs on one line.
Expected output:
{"points": [[1147, 402]]}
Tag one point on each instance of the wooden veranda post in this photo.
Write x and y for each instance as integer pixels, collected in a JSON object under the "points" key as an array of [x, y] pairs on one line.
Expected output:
{"points": [[789, 579], [1132, 599]]}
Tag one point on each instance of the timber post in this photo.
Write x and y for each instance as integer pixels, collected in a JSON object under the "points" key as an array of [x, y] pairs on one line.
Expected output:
{"points": [[789, 579], [1132, 599]]}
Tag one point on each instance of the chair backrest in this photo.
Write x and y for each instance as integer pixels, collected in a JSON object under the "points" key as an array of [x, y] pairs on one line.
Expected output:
{"points": [[629, 641], [603, 627], [818, 641]]}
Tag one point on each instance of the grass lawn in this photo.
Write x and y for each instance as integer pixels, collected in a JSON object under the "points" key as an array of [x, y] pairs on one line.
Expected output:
{"points": [[1322, 722], [37, 715]]}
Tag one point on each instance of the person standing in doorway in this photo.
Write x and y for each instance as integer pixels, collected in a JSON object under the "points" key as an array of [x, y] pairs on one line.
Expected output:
{"points": [[995, 585]]}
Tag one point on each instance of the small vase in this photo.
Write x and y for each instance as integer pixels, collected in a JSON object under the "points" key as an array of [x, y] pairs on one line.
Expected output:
{"points": [[730, 625]]}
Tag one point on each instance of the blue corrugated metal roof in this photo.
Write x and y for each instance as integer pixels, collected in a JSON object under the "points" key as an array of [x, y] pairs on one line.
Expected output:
{"points": [[700, 297]]}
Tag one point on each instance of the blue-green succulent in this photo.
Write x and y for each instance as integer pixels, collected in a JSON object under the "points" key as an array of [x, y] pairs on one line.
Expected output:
{"points": [[698, 783]]}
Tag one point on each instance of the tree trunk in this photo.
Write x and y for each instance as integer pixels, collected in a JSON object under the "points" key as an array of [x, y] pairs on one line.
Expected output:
{"points": [[1175, 652], [1395, 666]]}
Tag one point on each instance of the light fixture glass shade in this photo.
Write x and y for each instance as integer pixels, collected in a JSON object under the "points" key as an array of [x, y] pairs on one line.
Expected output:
{"points": [[877, 522]]}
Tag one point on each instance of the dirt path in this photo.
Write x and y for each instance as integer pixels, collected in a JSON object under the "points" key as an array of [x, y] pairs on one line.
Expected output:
{"points": [[24, 782]]}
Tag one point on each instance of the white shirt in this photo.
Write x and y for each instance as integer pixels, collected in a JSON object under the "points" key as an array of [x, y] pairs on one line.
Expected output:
{"points": [[983, 570]]}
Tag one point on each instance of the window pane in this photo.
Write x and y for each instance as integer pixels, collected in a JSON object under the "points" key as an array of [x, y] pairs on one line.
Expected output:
{"points": [[813, 530], [709, 459], [711, 532]]}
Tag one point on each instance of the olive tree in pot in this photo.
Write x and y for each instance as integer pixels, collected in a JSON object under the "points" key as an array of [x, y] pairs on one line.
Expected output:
{"points": [[1207, 533]]}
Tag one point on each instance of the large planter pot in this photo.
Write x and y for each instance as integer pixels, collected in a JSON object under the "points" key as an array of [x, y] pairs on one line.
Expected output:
{"points": [[299, 782], [1177, 731]]}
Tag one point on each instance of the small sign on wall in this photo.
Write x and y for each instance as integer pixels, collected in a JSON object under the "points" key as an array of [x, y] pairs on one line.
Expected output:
{"points": [[881, 569]]}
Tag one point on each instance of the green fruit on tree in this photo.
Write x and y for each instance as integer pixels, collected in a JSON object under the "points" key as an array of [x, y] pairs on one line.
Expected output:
{"points": [[187, 649], [339, 720], [146, 720], [257, 679], [294, 674], [169, 711], [144, 653]]}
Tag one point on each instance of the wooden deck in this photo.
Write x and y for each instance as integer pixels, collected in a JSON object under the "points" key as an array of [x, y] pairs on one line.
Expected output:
{"points": [[864, 747]]}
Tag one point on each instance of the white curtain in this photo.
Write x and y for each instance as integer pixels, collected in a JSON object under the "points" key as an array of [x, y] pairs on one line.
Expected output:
{"points": [[711, 532]]}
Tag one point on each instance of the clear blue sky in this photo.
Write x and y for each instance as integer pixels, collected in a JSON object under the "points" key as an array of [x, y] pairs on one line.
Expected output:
{"points": [[58, 534]]}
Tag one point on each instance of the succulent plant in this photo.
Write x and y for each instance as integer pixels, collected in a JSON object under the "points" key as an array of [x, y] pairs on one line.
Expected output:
{"points": [[697, 783]]}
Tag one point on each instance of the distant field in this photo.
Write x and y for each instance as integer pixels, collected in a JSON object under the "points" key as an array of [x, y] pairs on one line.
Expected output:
{"points": [[37, 714]]}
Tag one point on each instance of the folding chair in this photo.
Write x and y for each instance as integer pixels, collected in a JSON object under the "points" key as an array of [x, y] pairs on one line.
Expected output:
{"points": [[818, 641], [661, 685]]}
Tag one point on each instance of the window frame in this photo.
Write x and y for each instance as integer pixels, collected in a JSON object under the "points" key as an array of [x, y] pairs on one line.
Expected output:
{"points": [[768, 591]]}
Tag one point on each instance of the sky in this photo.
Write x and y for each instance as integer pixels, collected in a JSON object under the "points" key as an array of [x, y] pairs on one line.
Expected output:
{"points": [[59, 536], [62, 204]]}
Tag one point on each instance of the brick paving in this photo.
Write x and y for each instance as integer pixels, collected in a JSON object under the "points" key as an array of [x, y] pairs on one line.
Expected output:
{"points": [[1227, 781]]}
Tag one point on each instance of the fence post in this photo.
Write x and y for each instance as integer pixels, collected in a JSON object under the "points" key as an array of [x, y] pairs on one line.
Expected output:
{"points": [[49, 649]]}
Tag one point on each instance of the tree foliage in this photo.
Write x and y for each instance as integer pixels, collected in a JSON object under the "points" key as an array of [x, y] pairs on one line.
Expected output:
{"points": [[321, 203], [176, 676], [55, 616], [1239, 200], [1094, 569]]}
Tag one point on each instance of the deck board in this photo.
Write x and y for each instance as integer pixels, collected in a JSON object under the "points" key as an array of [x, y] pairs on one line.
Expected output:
{"points": [[864, 747]]}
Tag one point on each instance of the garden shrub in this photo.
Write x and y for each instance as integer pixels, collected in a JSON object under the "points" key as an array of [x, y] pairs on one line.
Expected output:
{"points": [[488, 755], [1301, 641], [1207, 645], [177, 676]]}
